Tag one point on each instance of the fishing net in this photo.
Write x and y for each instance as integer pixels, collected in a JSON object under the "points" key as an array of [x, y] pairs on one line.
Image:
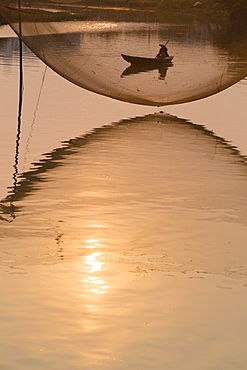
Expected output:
{"points": [[84, 41]]}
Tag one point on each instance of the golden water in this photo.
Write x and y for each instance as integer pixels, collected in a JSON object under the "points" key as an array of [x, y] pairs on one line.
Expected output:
{"points": [[125, 246]]}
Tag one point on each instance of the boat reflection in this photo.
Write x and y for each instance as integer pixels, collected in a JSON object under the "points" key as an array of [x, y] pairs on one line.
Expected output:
{"points": [[135, 69]]}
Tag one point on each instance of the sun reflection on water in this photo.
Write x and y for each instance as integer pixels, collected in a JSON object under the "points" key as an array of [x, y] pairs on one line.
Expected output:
{"points": [[98, 289], [92, 264], [92, 243]]}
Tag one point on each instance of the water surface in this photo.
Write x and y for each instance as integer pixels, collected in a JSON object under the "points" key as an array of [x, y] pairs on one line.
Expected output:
{"points": [[123, 243]]}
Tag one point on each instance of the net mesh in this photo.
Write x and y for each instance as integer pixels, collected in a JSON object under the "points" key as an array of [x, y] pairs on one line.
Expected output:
{"points": [[84, 41]]}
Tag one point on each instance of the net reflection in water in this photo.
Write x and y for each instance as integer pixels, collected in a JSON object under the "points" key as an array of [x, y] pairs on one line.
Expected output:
{"points": [[161, 191], [128, 247]]}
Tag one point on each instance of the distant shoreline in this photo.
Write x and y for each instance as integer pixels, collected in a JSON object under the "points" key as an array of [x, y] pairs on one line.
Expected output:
{"points": [[61, 12], [164, 10]]}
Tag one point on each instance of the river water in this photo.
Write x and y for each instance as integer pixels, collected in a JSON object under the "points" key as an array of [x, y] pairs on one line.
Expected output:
{"points": [[123, 227]]}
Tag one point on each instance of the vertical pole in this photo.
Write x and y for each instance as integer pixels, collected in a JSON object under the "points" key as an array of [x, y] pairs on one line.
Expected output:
{"points": [[18, 135], [21, 66]]}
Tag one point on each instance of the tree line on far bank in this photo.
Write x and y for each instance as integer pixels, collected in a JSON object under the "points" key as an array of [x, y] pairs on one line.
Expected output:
{"points": [[236, 10]]}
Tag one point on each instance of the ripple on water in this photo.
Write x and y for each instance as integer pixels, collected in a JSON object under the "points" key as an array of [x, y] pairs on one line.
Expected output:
{"points": [[129, 251]]}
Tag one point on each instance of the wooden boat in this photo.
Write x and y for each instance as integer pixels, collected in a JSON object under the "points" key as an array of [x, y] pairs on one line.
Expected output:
{"points": [[147, 61]]}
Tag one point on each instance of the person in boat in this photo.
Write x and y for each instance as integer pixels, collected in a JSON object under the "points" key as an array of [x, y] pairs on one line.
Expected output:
{"points": [[163, 52]]}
